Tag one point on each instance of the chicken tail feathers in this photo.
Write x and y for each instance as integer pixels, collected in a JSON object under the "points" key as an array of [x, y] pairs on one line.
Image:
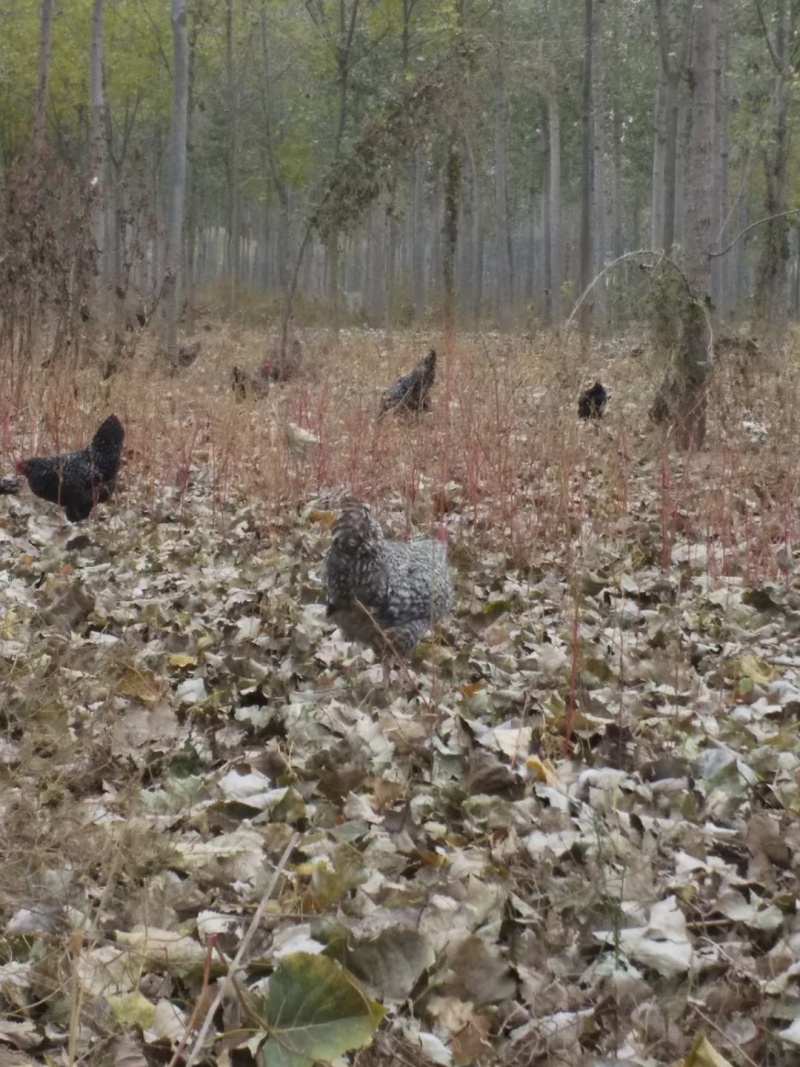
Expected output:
{"points": [[106, 447]]}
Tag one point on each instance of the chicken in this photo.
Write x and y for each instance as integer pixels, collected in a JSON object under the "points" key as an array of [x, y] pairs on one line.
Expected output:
{"points": [[77, 481], [187, 354], [244, 383], [385, 594], [411, 393], [592, 401], [257, 384]]}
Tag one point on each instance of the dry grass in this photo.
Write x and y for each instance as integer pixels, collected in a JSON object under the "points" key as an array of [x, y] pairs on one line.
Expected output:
{"points": [[502, 452]]}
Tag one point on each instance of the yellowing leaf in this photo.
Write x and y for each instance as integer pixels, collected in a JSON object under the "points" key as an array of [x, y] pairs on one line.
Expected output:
{"points": [[543, 771], [180, 659], [471, 689], [132, 1009], [750, 668], [703, 1054], [140, 685]]}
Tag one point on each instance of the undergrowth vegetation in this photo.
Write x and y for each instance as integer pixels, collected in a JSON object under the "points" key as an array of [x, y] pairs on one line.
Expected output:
{"points": [[564, 833]]}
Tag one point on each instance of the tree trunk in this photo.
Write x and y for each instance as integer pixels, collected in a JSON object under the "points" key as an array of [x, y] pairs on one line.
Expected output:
{"points": [[232, 247], [547, 228], [45, 37], [418, 235], [466, 245], [452, 180], [695, 353], [191, 207], [770, 295], [719, 265], [503, 295], [674, 58], [600, 212], [585, 313], [98, 140], [283, 235], [180, 108], [344, 43], [556, 248], [659, 163]]}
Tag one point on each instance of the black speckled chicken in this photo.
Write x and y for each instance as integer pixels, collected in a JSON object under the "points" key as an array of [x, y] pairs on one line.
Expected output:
{"points": [[76, 481], [592, 401], [385, 594], [411, 393]]}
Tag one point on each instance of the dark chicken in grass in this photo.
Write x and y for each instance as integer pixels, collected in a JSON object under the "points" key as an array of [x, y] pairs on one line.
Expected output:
{"points": [[76, 481], [592, 401], [275, 370], [385, 594], [411, 393]]}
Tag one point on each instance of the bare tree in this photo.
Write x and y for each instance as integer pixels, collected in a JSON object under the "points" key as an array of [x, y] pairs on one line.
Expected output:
{"points": [[504, 272], [180, 110], [556, 258], [674, 47], [770, 295], [695, 348], [45, 36], [452, 182], [600, 219], [232, 160], [98, 138], [586, 177]]}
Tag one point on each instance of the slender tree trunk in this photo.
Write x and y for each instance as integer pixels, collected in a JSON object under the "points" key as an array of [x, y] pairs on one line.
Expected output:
{"points": [[695, 347], [674, 49], [683, 162], [659, 162], [344, 42], [191, 207], [418, 235], [617, 232], [719, 265], [547, 228], [452, 181], [504, 293], [283, 235], [556, 239], [600, 213], [232, 255], [45, 37], [770, 295], [585, 313], [98, 140], [180, 108], [466, 245]]}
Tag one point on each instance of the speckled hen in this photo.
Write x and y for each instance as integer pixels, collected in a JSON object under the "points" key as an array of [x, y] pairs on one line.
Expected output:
{"points": [[411, 393], [385, 594], [76, 481]]}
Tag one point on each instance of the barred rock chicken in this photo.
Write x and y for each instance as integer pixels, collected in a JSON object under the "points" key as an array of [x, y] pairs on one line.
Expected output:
{"points": [[411, 393], [385, 594], [592, 401], [76, 481]]}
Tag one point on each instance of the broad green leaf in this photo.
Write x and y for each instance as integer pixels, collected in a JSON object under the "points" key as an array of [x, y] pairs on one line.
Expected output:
{"points": [[313, 1010]]}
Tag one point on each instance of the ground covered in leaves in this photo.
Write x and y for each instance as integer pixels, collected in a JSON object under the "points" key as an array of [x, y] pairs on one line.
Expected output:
{"points": [[566, 833]]}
